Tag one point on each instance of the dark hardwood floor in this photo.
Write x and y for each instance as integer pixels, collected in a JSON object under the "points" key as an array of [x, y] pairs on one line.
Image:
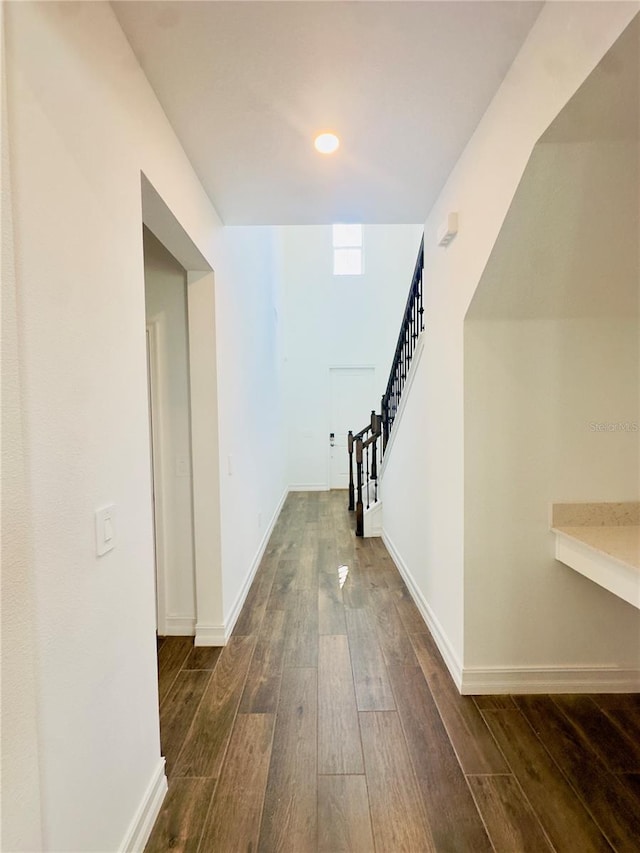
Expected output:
{"points": [[330, 723]]}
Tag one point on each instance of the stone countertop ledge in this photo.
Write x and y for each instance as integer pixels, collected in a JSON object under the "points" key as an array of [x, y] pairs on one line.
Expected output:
{"points": [[602, 542]]}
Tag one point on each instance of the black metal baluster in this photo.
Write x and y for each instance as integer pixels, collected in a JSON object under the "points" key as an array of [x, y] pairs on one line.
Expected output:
{"points": [[359, 508], [367, 475], [351, 488], [412, 326]]}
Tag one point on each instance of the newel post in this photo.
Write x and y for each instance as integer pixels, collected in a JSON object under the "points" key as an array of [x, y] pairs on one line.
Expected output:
{"points": [[359, 506]]}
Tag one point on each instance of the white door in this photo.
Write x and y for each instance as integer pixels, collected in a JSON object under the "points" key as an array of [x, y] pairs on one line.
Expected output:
{"points": [[352, 392]]}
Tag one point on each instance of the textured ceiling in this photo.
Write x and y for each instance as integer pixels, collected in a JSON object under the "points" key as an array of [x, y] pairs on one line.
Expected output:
{"points": [[247, 85]]}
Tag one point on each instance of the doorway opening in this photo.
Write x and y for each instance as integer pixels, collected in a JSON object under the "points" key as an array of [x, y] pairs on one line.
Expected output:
{"points": [[170, 430], [352, 393], [184, 451]]}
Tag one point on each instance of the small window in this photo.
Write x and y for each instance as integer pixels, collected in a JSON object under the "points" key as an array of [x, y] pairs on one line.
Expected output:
{"points": [[347, 250]]}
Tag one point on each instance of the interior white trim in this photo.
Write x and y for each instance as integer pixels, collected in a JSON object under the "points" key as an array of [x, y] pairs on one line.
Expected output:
{"points": [[210, 635], [431, 621], [529, 679], [218, 635], [372, 520], [155, 331], [140, 827], [413, 369], [309, 487], [179, 626], [596, 679]]}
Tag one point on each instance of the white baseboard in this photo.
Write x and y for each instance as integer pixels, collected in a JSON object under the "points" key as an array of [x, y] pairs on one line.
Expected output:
{"points": [[179, 626], [218, 635], [146, 813], [603, 679], [476, 681], [210, 635], [442, 641], [309, 487]]}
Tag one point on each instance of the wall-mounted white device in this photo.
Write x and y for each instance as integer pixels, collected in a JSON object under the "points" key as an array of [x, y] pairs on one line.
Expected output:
{"points": [[106, 532], [448, 230]]}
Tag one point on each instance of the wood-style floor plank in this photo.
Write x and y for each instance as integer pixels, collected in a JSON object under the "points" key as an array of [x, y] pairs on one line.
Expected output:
{"points": [[307, 569], [203, 657], [471, 739], [453, 817], [289, 821], [280, 597], [410, 615], [178, 827], [330, 605], [252, 613], [356, 588], [398, 817], [392, 635], [172, 655], [631, 781], [620, 753], [603, 795], [627, 721], [206, 742], [339, 749], [344, 822], [510, 820], [301, 642], [494, 703], [234, 819], [178, 711], [373, 689], [427, 653], [564, 818], [617, 701], [262, 687]]}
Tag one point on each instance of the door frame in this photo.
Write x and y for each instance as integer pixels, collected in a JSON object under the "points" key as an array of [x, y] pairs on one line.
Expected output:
{"points": [[210, 627], [154, 337]]}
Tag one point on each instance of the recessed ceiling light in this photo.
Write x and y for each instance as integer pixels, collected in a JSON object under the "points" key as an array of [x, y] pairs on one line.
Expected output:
{"points": [[326, 143]]}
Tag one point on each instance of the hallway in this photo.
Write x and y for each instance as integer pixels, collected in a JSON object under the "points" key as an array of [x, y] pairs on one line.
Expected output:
{"points": [[329, 722]]}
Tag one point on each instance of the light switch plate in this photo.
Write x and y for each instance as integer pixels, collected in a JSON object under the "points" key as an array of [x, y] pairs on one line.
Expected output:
{"points": [[106, 529]]}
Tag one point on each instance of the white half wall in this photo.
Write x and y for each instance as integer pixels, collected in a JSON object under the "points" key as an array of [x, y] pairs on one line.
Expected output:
{"points": [[84, 125], [424, 481], [337, 321]]}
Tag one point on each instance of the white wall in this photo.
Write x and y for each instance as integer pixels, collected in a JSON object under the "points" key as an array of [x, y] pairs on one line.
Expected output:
{"points": [[84, 124], [337, 321], [424, 482], [20, 824], [166, 305], [551, 347], [533, 388], [250, 401]]}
